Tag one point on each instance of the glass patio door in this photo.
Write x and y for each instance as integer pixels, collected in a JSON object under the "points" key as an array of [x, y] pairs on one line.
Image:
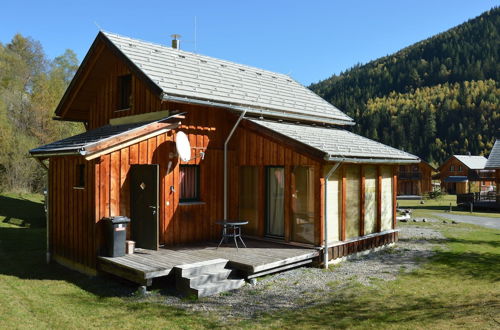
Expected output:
{"points": [[275, 191]]}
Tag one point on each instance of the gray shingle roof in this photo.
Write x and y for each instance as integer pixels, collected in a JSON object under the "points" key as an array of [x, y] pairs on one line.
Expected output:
{"points": [[189, 75], [472, 162], [338, 143], [494, 157]]}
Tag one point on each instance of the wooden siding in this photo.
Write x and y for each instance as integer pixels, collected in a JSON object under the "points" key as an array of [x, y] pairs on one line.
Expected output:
{"points": [[75, 215], [363, 244], [260, 148], [71, 216], [414, 179], [179, 222]]}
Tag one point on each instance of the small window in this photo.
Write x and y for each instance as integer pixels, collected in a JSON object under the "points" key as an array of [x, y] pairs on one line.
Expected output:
{"points": [[80, 176], [452, 168], [124, 92], [459, 168], [189, 183]]}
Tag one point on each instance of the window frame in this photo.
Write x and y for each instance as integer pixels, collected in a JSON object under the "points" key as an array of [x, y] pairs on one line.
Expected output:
{"points": [[79, 177], [197, 197], [120, 97]]}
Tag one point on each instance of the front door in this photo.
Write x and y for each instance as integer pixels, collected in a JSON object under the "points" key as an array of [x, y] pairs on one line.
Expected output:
{"points": [[275, 192], [144, 206]]}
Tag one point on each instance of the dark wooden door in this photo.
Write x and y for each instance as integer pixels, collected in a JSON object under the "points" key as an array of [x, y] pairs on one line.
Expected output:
{"points": [[144, 206]]}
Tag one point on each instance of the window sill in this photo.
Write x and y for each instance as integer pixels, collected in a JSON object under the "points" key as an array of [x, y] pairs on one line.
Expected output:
{"points": [[192, 203], [79, 188], [121, 110]]}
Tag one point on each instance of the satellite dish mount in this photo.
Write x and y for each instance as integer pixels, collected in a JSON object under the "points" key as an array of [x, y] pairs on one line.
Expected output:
{"points": [[184, 147]]}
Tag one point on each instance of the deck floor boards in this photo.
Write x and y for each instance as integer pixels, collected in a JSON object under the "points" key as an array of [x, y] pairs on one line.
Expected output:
{"points": [[259, 256]]}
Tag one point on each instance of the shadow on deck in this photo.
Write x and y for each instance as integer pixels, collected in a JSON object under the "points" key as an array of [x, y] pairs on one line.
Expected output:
{"points": [[258, 259]]}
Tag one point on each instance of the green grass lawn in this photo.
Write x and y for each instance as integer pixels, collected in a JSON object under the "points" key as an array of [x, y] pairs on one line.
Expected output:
{"points": [[458, 288], [442, 204]]}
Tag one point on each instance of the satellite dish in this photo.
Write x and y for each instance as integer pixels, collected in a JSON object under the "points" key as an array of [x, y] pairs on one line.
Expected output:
{"points": [[183, 146]]}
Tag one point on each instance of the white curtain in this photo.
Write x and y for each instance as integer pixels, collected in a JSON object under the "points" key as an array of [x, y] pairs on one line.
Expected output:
{"points": [[275, 212]]}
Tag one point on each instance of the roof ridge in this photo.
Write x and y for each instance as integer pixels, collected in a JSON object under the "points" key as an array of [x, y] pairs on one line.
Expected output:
{"points": [[199, 55]]}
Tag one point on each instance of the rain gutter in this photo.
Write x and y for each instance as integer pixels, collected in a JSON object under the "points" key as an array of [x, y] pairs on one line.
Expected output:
{"points": [[225, 159], [257, 111], [371, 160]]}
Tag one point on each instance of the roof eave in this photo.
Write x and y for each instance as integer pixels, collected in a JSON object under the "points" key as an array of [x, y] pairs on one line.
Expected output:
{"points": [[359, 160], [257, 111]]}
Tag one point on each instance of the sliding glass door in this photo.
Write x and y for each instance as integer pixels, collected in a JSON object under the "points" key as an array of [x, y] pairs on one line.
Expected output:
{"points": [[275, 191], [302, 204], [249, 199]]}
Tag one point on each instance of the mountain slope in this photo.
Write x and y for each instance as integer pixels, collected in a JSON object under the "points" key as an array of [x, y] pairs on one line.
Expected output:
{"points": [[466, 53]]}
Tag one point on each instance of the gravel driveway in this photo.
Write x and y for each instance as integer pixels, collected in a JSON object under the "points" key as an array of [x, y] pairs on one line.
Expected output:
{"points": [[481, 221], [303, 287]]}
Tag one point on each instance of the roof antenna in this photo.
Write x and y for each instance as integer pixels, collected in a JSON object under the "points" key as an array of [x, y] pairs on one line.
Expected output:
{"points": [[195, 33], [98, 26]]}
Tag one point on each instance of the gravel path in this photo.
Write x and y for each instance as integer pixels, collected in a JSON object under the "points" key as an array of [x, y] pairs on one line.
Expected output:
{"points": [[489, 222], [304, 286]]}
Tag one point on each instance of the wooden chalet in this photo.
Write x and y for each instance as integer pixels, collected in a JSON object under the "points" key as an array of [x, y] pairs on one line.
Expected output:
{"points": [[462, 174], [264, 149], [415, 179], [493, 163]]}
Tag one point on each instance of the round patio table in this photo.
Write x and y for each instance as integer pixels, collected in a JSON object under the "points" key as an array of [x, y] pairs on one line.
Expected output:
{"points": [[231, 228]]}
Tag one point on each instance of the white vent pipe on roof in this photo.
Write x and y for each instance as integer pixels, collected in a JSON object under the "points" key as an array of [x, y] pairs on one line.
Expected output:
{"points": [[176, 42]]}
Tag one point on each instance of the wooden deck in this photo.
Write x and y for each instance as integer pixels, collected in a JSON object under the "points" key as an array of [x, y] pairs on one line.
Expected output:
{"points": [[259, 258]]}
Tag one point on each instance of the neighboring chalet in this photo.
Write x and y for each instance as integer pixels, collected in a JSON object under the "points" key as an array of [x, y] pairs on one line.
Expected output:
{"points": [[264, 149], [415, 179], [493, 163], [462, 174]]}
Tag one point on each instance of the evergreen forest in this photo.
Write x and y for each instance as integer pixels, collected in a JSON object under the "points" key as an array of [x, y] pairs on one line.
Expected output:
{"points": [[435, 98]]}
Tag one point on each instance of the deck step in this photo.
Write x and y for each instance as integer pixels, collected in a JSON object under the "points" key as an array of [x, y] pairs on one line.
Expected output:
{"points": [[205, 278], [211, 289], [202, 267]]}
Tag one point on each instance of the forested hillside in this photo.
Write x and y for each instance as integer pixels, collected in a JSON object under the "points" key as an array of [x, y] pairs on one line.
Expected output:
{"points": [[435, 98], [31, 85]]}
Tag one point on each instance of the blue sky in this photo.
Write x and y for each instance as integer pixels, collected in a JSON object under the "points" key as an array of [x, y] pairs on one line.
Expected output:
{"points": [[309, 40]]}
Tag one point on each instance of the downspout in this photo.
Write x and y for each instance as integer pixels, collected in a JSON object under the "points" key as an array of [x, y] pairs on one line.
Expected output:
{"points": [[225, 159], [325, 210]]}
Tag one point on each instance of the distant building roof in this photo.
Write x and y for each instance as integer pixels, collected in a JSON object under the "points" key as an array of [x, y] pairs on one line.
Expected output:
{"points": [[339, 144], [494, 157], [472, 162], [185, 76]]}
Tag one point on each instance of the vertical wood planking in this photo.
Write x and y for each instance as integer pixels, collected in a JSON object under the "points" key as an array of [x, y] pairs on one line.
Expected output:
{"points": [[362, 203], [379, 199], [343, 213], [114, 183], [394, 196]]}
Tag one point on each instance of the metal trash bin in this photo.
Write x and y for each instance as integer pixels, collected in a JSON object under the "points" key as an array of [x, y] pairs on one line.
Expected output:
{"points": [[116, 234]]}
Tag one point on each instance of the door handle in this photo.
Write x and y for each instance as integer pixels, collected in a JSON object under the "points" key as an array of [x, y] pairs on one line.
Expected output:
{"points": [[154, 208]]}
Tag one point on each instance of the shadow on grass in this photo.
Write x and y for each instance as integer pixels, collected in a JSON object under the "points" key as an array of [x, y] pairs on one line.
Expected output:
{"points": [[22, 212], [22, 254], [484, 266], [376, 311]]}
